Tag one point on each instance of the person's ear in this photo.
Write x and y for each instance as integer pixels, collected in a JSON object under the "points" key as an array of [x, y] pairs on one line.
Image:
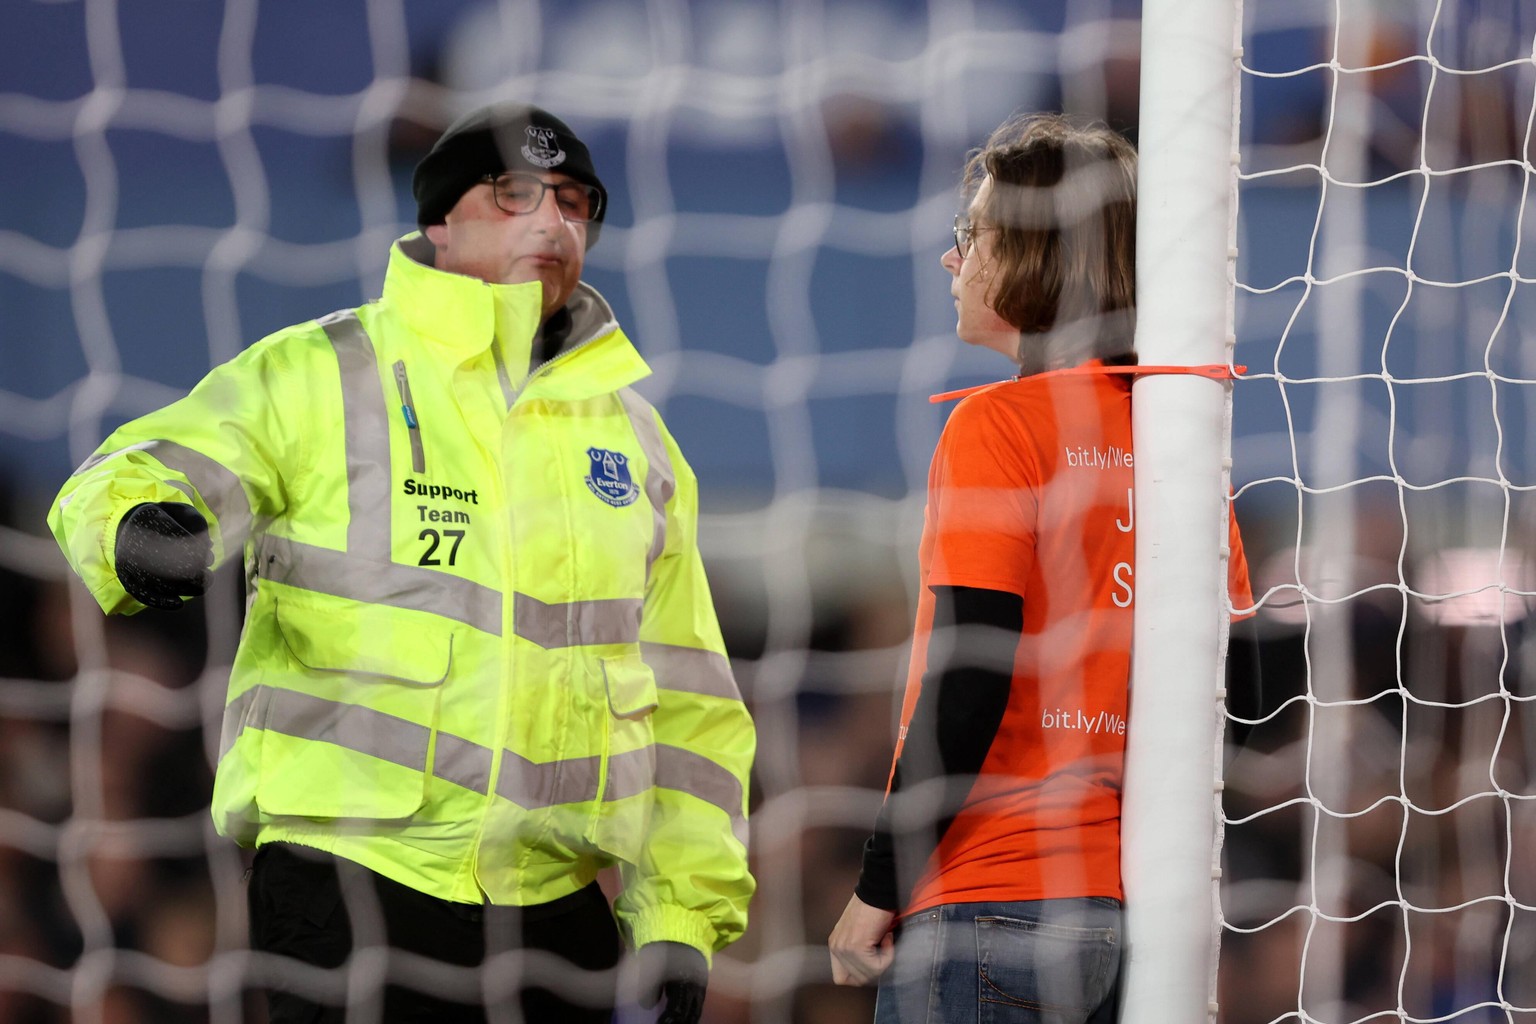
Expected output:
{"points": [[437, 234]]}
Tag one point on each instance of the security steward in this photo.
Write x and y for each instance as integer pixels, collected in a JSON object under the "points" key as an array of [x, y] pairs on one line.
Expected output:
{"points": [[480, 663]]}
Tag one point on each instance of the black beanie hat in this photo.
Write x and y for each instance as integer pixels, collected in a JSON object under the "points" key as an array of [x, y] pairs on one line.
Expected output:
{"points": [[496, 138]]}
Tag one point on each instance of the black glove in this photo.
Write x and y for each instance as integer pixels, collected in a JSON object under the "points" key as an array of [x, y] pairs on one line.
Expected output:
{"points": [[677, 973], [163, 553]]}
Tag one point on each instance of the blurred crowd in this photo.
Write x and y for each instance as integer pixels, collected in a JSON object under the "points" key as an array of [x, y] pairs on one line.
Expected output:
{"points": [[1372, 818], [104, 785]]}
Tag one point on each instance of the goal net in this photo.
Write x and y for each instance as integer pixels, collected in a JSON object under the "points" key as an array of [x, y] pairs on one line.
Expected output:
{"points": [[185, 178], [1377, 822]]}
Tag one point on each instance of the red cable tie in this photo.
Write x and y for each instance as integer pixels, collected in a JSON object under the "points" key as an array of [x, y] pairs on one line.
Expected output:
{"points": [[1213, 371]]}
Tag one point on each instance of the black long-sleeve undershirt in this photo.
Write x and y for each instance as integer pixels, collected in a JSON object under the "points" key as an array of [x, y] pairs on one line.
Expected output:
{"points": [[961, 705], [1245, 683], [964, 696]]}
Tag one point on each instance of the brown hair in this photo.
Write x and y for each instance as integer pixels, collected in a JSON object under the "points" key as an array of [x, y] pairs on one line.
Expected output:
{"points": [[1063, 207]]}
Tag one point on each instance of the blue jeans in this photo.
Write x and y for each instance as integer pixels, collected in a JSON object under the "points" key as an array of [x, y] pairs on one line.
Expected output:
{"points": [[1033, 962]]}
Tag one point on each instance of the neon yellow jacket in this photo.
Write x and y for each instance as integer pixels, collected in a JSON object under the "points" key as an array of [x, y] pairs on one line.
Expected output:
{"points": [[479, 654]]}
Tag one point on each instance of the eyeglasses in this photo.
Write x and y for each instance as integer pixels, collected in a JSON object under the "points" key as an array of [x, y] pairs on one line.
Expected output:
{"points": [[516, 192], [965, 234]]}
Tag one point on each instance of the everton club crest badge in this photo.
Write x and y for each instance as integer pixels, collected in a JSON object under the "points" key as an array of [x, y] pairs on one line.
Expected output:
{"points": [[609, 477], [542, 148]]}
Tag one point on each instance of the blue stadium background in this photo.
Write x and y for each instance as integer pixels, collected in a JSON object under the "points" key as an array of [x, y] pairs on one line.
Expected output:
{"points": [[859, 300]]}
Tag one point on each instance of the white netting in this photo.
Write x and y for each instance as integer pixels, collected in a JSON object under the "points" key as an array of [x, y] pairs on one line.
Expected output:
{"points": [[1379, 826], [183, 178]]}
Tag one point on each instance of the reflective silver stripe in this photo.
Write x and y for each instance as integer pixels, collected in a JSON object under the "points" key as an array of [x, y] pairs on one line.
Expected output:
{"points": [[629, 774], [690, 669], [98, 458], [457, 760], [399, 586], [360, 729], [215, 483], [660, 478], [608, 621], [349, 725], [366, 421], [529, 784], [235, 714], [462, 763], [696, 775]]}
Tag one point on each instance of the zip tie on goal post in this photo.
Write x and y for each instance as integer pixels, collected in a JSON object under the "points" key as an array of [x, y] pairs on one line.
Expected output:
{"points": [[1213, 371]]}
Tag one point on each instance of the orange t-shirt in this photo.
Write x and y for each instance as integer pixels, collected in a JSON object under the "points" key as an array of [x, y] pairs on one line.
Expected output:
{"points": [[1031, 492]]}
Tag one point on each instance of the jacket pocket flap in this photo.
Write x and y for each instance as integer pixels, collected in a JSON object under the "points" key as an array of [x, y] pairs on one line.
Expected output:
{"points": [[332, 634], [631, 686]]}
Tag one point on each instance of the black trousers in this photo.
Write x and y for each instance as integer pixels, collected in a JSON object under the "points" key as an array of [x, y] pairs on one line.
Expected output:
{"points": [[304, 904]]}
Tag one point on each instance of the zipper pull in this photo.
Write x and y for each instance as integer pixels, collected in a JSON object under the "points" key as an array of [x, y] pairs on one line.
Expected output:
{"points": [[405, 395], [412, 426]]}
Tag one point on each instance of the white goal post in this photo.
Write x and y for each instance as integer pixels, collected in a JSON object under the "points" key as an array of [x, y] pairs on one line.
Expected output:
{"points": [[1182, 426]]}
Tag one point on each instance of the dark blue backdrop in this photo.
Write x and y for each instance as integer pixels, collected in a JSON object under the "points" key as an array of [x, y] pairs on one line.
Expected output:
{"points": [[175, 194]]}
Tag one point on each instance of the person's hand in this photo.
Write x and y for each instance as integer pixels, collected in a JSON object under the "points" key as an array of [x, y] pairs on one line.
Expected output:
{"points": [[861, 944], [163, 552], [677, 973]]}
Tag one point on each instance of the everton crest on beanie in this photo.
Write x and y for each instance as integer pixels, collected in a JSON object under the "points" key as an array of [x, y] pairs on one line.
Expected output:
{"points": [[496, 138]]}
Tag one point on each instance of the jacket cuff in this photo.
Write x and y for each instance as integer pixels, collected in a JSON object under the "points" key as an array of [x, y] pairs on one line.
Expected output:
{"points": [[671, 923], [108, 590]]}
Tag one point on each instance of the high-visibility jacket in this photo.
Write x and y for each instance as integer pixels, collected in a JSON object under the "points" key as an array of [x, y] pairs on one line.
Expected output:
{"points": [[479, 654]]}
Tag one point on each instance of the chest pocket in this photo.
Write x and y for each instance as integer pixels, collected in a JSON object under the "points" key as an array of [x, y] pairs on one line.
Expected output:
{"points": [[630, 686], [629, 764]]}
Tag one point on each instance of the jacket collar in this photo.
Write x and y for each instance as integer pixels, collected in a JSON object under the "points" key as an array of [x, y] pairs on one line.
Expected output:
{"points": [[464, 316]]}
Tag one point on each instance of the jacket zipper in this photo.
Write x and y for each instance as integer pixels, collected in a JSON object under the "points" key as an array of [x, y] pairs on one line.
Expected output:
{"points": [[412, 427], [544, 367]]}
